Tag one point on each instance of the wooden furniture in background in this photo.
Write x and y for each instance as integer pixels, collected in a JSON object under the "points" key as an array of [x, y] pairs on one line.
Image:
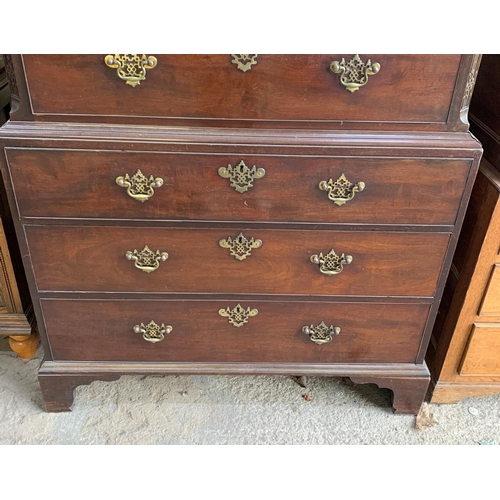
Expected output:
{"points": [[17, 320], [464, 354], [271, 214]]}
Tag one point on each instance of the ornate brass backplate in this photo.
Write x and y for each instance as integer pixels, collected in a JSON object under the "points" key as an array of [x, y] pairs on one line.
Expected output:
{"points": [[152, 332], [244, 62], [321, 334], [354, 74], [146, 260], [331, 263], [341, 191], [139, 186], [131, 67], [241, 176], [240, 248], [238, 316]]}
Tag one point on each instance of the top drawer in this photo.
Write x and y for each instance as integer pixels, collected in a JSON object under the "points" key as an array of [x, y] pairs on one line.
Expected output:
{"points": [[407, 89]]}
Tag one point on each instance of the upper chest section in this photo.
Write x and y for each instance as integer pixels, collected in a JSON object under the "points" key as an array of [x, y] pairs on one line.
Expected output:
{"points": [[365, 91]]}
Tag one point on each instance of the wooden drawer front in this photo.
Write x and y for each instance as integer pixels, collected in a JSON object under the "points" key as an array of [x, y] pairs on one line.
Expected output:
{"points": [[59, 183], [92, 330], [482, 355], [93, 259], [408, 88], [491, 300]]}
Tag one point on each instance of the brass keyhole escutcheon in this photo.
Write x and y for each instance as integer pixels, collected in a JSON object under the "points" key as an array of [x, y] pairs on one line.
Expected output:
{"points": [[240, 176], [240, 247], [238, 315]]}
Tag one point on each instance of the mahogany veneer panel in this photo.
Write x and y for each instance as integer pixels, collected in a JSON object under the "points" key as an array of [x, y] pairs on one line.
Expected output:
{"points": [[419, 88], [59, 183], [81, 330], [93, 259]]}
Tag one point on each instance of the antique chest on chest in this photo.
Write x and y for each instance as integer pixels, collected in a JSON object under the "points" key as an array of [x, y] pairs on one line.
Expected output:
{"points": [[248, 214]]}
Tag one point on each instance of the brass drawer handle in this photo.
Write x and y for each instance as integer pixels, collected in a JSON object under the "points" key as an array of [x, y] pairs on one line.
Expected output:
{"points": [[139, 186], [331, 263], [237, 316], [321, 334], [241, 176], [152, 332], [240, 248], [354, 74], [146, 260], [131, 67], [342, 190]]}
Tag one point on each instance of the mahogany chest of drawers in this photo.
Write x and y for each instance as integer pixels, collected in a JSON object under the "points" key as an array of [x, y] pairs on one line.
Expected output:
{"points": [[239, 214]]}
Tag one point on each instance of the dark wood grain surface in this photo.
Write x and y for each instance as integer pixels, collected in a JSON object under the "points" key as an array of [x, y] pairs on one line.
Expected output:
{"points": [[59, 183], [93, 259], [75, 127], [418, 88], [91, 330]]}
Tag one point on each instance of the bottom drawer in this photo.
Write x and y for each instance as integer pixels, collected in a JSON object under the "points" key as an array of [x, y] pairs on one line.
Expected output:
{"points": [[205, 331]]}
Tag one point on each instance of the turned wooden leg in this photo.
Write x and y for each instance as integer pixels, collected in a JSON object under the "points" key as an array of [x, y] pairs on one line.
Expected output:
{"points": [[58, 390], [408, 393], [24, 345]]}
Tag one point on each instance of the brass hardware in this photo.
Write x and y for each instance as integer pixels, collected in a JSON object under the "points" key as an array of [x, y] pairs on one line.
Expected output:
{"points": [[240, 248], [152, 332], [237, 315], [131, 67], [341, 191], [241, 176], [321, 334], [146, 260], [355, 72], [244, 62], [139, 186], [331, 263]]}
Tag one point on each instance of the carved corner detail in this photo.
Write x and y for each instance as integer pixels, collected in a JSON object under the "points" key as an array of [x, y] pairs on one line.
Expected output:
{"points": [[11, 77], [469, 87]]}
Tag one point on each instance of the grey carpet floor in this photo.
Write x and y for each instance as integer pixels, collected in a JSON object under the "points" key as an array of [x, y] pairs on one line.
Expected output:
{"points": [[229, 410]]}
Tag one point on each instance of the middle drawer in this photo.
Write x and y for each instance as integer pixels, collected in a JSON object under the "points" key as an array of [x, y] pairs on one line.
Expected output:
{"points": [[367, 190], [255, 261]]}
